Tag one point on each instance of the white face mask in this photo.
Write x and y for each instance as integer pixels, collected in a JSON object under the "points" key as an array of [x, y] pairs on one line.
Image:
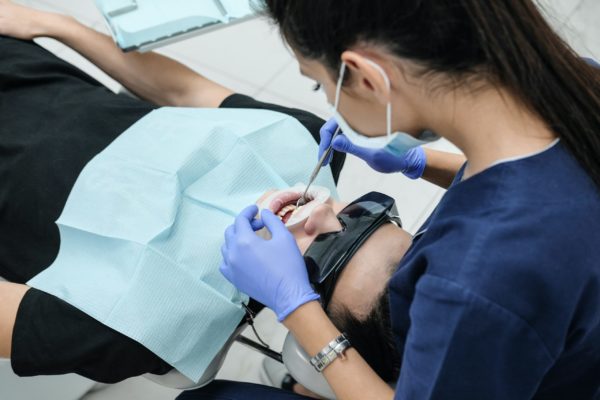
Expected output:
{"points": [[397, 143]]}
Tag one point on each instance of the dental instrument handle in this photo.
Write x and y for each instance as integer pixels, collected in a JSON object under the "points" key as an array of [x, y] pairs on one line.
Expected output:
{"points": [[302, 200], [260, 348]]}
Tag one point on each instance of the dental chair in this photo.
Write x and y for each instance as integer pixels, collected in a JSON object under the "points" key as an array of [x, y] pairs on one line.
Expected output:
{"points": [[292, 356], [66, 387]]}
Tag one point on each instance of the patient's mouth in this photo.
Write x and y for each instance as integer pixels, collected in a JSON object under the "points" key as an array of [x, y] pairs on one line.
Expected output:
{"points": [[287, 200], [287, 211], [284, 206], [283, 203]]}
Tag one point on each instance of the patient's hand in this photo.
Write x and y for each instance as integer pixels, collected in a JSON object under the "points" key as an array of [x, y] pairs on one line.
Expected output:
{"points": [[26, 23]]}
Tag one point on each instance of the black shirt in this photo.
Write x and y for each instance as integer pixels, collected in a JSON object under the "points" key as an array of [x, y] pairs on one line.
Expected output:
{"points": [[53, 120]]}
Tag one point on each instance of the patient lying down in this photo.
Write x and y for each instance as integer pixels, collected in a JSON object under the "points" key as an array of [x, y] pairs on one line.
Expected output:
{"points": [[143, 254], [162, 195], [175, 278]]}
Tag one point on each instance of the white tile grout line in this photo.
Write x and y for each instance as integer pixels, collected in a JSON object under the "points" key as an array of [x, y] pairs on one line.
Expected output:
{"points": [[576, 37], [277, 73], [574, 11]]}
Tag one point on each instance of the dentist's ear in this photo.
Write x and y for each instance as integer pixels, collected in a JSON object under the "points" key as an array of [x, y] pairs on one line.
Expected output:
{"points": [[369, 77]]}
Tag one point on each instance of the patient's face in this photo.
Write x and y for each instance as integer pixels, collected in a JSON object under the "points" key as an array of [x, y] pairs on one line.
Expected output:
{"points": [[322, 219], [368, 271]]}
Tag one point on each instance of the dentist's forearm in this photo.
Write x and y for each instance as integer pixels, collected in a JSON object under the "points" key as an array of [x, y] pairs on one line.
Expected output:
{"points": [[350, 378], [442, 167], [10, 298], [150, 76]]}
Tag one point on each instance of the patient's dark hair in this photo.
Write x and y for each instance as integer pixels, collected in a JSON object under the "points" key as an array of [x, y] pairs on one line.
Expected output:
{"points": [[507, 43], [371, 336]]}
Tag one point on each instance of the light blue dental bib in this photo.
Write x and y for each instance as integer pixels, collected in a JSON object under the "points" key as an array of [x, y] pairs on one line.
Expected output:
{"points": [[142, 229]]}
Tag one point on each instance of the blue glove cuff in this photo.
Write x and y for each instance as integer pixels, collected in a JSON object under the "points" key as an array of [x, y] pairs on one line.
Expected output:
{"points": [[416, 161], [290, 309]]}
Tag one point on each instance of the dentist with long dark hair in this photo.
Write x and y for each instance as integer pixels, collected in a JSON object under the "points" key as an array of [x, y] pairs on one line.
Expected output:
{"points": [[499, 296]]}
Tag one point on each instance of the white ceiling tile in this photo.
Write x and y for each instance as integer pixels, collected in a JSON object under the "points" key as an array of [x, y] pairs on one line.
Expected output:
{"points": [[251, 52], [295, 88]]}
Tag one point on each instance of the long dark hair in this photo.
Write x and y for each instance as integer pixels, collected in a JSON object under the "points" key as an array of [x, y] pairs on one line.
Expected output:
{"points": [[506, 41]]}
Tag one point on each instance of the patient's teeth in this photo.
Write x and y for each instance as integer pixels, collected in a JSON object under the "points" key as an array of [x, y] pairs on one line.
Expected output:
{"points": [[286, 209]]}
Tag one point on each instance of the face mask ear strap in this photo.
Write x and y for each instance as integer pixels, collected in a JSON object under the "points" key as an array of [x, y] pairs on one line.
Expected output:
{"points": [[338, 89], [389, 118], [389, 86]]}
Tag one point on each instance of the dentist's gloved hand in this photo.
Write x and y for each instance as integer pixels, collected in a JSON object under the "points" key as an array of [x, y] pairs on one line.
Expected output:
{"points": [[272, 271], [412, 163]]}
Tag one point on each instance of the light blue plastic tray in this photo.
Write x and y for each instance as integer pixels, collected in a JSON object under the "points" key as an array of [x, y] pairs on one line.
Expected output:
{"points": [[146, 24]]}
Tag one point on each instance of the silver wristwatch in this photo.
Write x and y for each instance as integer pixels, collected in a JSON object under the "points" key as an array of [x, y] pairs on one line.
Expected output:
{"points": [[333, 350]]}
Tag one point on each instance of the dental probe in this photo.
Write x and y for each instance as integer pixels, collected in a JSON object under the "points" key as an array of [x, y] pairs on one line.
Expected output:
{"points": [[302, 200]]}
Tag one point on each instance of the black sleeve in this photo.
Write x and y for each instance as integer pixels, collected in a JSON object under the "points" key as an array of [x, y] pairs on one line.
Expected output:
{"points": [[53, 120], [51, 337], [309, 120]]}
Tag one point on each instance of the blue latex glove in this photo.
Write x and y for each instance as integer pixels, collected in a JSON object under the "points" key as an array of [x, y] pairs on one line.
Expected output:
{"points": [[592, 62], [272, 271], [412, 163]]}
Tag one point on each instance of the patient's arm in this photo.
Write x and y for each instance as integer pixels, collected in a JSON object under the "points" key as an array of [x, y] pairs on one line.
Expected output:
{"points": [[10, 297], [151, 76], [52, 337]]}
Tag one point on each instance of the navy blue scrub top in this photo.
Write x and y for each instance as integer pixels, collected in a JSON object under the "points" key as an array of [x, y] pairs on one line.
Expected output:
{"points": [[499, 296]]}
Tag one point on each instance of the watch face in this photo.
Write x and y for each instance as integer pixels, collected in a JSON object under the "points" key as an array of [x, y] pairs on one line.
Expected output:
{"points": [[333, 350]]}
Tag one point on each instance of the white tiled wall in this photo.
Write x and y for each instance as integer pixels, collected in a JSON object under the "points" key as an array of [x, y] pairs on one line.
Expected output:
{"points": [[250, 58]]}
